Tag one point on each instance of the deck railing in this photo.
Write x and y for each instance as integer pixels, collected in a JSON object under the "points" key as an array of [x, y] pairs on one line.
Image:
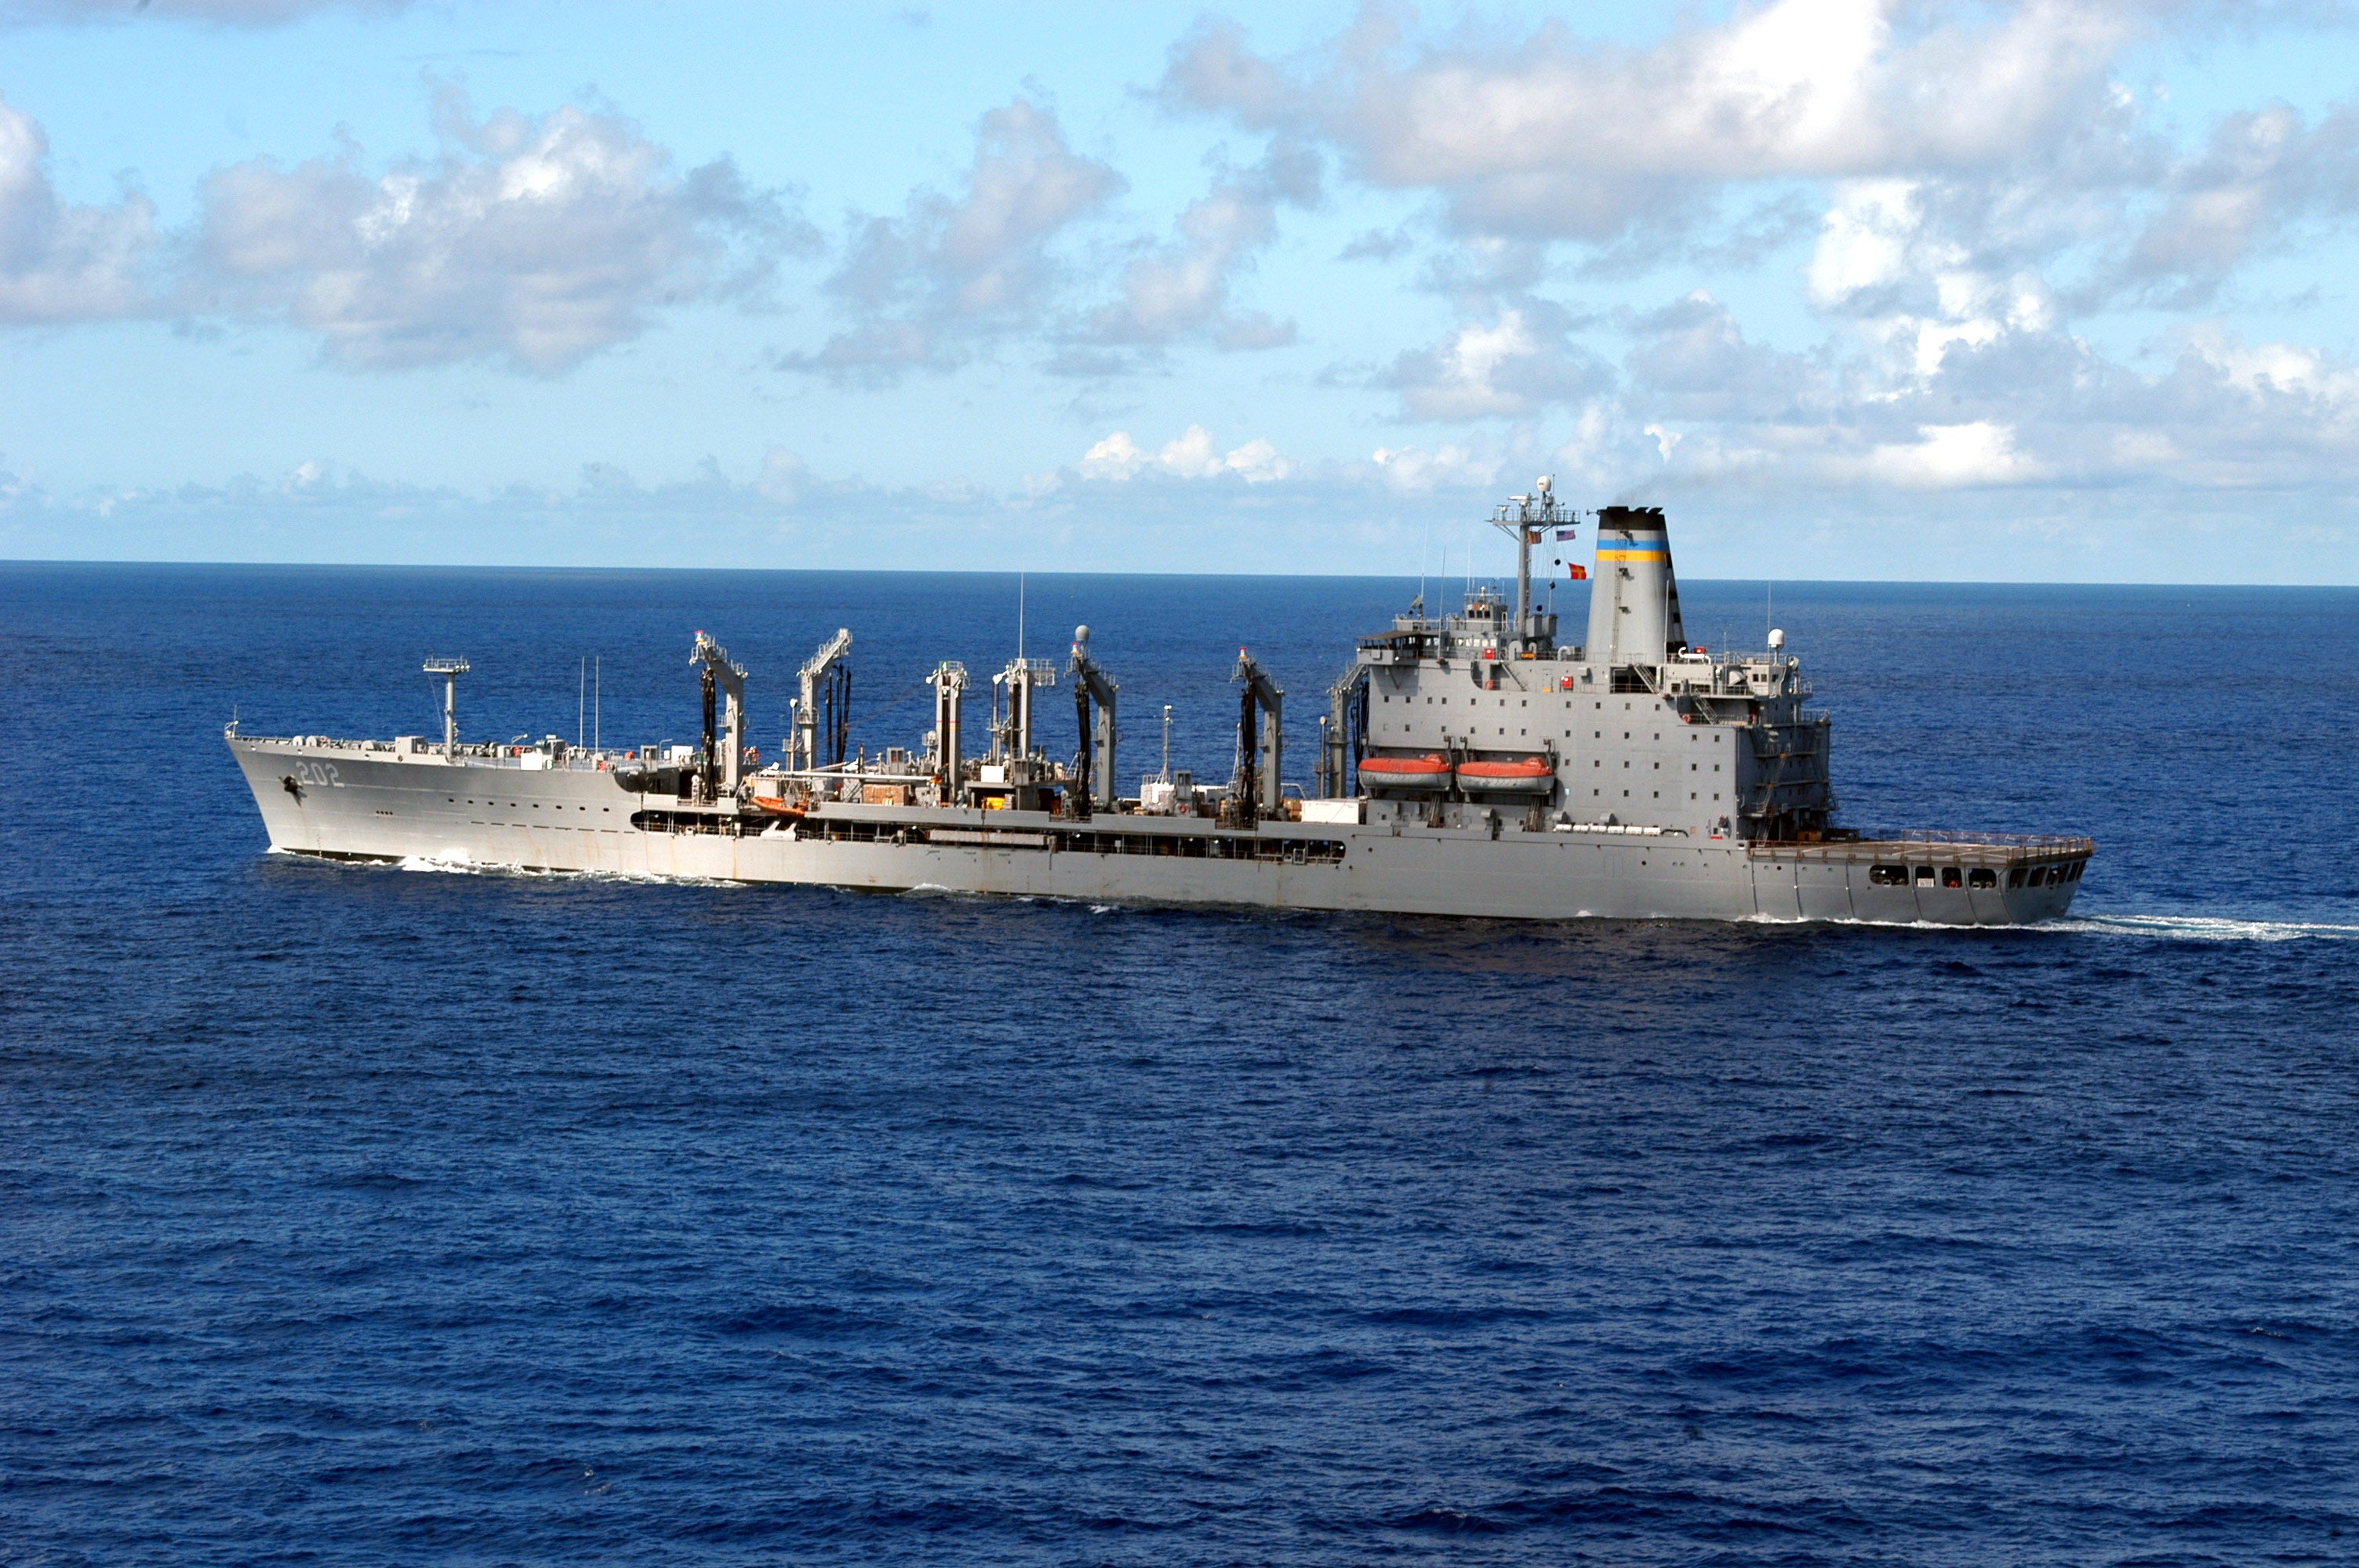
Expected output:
{"points": [[2044, 843], [2006, 848]]}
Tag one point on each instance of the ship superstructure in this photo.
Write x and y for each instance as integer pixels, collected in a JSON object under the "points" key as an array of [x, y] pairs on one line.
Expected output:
{"points": [[1473, 763]]}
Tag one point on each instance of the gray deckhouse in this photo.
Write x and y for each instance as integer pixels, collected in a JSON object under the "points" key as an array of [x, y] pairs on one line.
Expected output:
{"points": [[1637, 728]]}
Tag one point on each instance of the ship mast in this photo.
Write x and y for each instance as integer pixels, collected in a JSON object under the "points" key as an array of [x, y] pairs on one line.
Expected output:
{"points": [[449, 670], [1525, 518]]}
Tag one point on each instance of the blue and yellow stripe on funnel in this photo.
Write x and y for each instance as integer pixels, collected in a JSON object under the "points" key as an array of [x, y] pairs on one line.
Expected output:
{"points": [[1656, 548]]}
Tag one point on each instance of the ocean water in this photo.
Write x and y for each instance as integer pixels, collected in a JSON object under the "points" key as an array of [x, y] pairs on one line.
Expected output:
{"points": [[360, 1215]]}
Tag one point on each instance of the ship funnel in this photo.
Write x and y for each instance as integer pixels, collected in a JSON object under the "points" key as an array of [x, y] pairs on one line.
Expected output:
{"points": [[1634, 599]]}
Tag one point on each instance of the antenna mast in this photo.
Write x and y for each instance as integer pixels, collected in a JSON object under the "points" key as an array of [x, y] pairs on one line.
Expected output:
{"points": [[1525, 518], [449, 670]]}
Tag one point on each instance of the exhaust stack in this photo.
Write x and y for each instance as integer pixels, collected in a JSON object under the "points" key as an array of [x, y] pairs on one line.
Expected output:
{"points": [[1634, 599]]}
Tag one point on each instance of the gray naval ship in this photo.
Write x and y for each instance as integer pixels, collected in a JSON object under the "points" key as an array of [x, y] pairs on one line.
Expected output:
{"points": [[1471, 764]]}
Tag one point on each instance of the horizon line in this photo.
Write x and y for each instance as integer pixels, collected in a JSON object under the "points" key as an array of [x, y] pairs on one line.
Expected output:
{"points": [[6, 562]]}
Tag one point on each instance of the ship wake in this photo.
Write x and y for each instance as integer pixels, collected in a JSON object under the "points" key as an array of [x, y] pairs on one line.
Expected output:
{"points": [[2204, 928]]}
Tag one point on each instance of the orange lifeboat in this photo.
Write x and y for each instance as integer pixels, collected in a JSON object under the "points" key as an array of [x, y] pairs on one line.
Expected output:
{"points": [[1524, 776], [771, 805], [1431, 771]]}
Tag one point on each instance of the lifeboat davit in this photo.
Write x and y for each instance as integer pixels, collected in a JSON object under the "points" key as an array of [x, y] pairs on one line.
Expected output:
{"points": [[1431, 771], [1524, 776]]}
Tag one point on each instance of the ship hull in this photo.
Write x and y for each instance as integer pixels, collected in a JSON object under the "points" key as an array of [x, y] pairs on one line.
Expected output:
{"points": [[353, 801]]}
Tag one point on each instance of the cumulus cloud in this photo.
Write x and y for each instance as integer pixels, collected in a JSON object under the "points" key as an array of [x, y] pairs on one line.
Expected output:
{"points": [[1183, 287], [1890, 261], [1515, 363], [926, 289], [1691, 360], [784, 478], [59, 262], [1555, 137], [538, 242], [1944, 456], [1192, 454], [2263, 173], [1415, 470], [2026, 408]]}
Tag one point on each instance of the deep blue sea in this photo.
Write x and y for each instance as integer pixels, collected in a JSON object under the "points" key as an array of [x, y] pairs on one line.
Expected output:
{"points": [[357, 1215]]}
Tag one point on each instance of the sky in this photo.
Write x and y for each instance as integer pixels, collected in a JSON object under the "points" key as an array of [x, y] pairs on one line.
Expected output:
{"points": [[1863, 290]]}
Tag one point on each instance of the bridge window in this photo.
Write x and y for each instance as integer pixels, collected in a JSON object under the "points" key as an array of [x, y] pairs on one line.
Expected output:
{"points": [[2015, 878], [1924, 873], [1981, 877], [1951, 877], [1889, 876]]}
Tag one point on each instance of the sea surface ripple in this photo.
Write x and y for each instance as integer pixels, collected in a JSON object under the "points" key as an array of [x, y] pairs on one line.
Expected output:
{"points": [[365, 1213]]}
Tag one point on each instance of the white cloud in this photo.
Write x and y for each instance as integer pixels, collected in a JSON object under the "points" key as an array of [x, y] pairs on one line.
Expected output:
{"points": [[1945, 457], [784, 477], [1514, 364], [2263, 174], [925, 290], [1115, 458], [1258, 462], [1183, 287], [2016, 404], [1413, 471], [540, 241], [1553, 136], [1192, 454], [1691, 360], [1886, 261], [59, 262]]}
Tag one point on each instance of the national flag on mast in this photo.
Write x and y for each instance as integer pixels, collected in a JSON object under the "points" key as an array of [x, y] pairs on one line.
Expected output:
{"points": [[1564, 533]]}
